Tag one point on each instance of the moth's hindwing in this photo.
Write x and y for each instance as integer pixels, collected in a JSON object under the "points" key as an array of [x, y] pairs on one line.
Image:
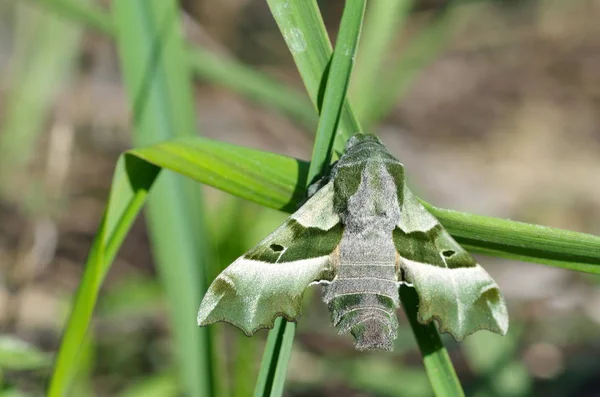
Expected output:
{"points": [[452, 288], [269, 280]]}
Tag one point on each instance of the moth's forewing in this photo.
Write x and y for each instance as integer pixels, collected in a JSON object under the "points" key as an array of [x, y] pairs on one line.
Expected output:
{"points": [[269, 280]]}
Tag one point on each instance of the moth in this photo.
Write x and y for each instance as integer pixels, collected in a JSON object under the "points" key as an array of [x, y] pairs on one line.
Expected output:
{"points": [[361, 234]]}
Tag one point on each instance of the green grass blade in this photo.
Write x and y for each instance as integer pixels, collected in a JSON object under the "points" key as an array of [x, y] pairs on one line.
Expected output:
{"points": [[336, 87], [228, 73], [435, 357], [273, 368], [277, 353], [159, 83], [302, 28], [383, 21], [522, 241], [271, 180], [125, 202]]}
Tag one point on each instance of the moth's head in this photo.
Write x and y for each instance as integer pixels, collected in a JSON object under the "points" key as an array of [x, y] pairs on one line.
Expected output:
{"points": [[361, 139]]}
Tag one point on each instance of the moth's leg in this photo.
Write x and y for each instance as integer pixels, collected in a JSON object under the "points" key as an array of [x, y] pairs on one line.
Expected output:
{"points": [[398, 263]]}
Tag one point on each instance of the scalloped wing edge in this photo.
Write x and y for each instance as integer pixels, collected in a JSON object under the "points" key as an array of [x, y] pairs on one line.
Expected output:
{"points": [[251, 294], [471, 299]]}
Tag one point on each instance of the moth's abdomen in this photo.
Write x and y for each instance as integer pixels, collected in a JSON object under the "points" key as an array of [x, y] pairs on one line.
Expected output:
{"points": [[362, 300]]}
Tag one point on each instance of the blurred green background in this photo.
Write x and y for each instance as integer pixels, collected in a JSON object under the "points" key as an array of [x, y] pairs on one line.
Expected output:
{"points": [[495, 111]]}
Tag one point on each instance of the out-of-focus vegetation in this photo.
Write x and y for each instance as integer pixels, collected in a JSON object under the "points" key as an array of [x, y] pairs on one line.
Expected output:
{"points": [[491, 105]]}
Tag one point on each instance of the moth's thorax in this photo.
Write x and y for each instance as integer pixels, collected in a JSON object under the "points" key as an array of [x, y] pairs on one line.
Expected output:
{"points": [[363, 296], [374, 206]]}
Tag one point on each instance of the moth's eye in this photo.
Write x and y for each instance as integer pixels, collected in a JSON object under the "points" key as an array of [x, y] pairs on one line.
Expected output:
{"points": [[276, 247], [448, 253]]}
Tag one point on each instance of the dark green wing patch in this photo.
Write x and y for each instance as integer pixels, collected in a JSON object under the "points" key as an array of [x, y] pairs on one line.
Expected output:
{"points": [[296, 242], [434, 247]]}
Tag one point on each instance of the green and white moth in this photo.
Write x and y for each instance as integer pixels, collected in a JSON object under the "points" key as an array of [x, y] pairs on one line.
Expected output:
{"points": [[361, 235]]}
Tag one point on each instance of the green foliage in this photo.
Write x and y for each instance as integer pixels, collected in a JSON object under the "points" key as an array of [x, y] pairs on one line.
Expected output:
{"points": [[158, 79]]}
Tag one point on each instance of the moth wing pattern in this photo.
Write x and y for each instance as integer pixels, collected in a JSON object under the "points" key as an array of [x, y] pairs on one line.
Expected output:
{"points": [[269, 280], [452, 287]]}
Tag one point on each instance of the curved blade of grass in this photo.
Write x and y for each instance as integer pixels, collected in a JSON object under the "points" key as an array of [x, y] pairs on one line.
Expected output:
{"points": [[383, 21], [271, 180], [435, 357], [159, 83], [302, 28], [228, 73], [278, 350], [124, 204]]}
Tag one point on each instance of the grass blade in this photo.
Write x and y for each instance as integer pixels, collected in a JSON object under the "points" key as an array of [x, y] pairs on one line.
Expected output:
{"points": [[279, 344], [302, 28], [273, 368], [336, 87], [229, 73], [435, 357], [124, 204], [271, 180], [159, 83]]}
